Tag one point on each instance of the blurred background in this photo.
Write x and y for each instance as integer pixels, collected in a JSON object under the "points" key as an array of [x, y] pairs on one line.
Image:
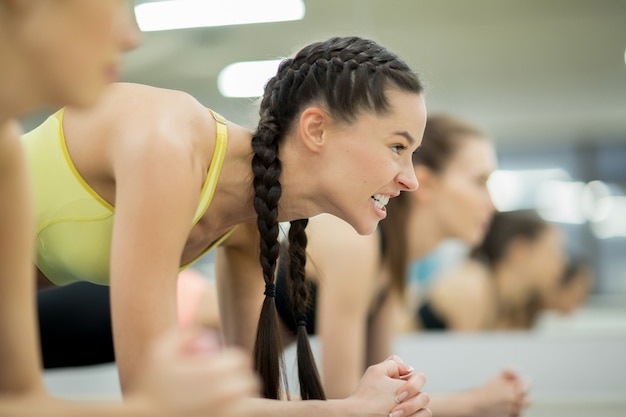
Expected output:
{"points": [[545, 79]]}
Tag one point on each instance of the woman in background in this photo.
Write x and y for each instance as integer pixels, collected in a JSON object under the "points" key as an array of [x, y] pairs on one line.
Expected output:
{"points": [[504, 284], [573, 288], [54, 53]]}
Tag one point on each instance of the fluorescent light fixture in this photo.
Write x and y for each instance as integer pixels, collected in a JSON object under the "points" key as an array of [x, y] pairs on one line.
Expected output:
{"points": [[515, 189], [614, 223], [560, 201], [246, 79], [182, 14], [593, 193]]}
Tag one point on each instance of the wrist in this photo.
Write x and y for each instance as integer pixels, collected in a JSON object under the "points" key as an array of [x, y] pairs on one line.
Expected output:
{"points": [[467, 406], [460, 404]]}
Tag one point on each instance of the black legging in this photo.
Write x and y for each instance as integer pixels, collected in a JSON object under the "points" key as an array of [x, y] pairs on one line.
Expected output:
{"points": [[75, 325]]}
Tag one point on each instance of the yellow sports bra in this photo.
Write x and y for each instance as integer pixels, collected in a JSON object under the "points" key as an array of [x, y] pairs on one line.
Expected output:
{"points": [[73, 223]]}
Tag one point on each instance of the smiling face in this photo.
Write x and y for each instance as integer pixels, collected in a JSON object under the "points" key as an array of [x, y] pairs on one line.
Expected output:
{"points": [[71, 48], [369, 161], [459, 195]]}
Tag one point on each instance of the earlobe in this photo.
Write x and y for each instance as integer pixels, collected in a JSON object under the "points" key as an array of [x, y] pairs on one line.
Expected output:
{"points": [[313, 124]]}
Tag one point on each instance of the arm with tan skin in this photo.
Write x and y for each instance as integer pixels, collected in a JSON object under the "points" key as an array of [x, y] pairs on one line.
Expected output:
{"points": [[240, 286], [176, 363], [346, 267], [374, 396], [241, 289], [19, 357], [461, 297], [179, 363], [381, 329], [157, 191], [502, 396]]}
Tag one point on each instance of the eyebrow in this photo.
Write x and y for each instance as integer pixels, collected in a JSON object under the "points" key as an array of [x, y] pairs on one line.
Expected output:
{"points": [[406, 135]]}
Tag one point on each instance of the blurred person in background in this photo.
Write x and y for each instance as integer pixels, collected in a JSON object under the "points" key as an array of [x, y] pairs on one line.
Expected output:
{"points": [[506, 280], [573, 289], [54, 53]]}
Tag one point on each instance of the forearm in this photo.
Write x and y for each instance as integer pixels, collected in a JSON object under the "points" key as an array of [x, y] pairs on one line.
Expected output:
{"points": [[451, 405], [240, 289], [19, 358], [381, 331], [28, 406], [261, 407]]}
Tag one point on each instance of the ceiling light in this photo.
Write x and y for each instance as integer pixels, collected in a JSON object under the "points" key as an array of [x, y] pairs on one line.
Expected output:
{"points": [[246, 79], [560, 201], [181, 14]]}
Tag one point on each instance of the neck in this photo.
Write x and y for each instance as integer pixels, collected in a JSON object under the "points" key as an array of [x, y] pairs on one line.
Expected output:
{"points": [[233, 200], [424, 234], [298, 201], [16, 94]]}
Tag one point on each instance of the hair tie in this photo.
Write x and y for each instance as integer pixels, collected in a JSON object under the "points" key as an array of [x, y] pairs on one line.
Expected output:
{"points": [[301, 322], [270, 290]]}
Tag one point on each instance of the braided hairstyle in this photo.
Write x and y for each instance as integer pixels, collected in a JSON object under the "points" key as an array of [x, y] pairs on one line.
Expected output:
{"points": [[347, 75]]}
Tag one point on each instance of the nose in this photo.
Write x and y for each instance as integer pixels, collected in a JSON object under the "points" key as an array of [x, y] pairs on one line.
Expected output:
{"points": [[407, 178], [129, 33]]}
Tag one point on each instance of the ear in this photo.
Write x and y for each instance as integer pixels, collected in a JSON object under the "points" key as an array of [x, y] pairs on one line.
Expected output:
{"points": [[428, 183], [313, 128]]}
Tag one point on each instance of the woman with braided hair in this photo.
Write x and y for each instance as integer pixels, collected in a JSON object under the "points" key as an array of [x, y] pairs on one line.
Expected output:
{"points": [[161, 180], [357, 282]]}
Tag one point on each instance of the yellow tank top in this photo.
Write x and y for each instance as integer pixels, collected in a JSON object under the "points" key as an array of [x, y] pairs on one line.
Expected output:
{"points": [[73, 223]]}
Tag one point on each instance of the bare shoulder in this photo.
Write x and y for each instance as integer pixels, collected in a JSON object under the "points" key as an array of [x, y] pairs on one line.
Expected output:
{"points": [[468, 281], [139, 112]]}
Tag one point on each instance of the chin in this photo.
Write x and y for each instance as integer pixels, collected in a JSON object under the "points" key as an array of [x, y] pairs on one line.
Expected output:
{"points": [[367, 228]]}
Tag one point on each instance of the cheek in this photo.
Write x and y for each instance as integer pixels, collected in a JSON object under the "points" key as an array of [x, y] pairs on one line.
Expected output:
{"points": [[464, 203], [371, 168]]}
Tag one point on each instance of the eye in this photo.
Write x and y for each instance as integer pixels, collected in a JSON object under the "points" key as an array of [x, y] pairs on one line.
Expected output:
{"points": [[398, 148]]}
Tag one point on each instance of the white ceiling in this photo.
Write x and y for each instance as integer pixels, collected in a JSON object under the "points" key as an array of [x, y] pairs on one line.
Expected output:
{"points": [[526, 71]]}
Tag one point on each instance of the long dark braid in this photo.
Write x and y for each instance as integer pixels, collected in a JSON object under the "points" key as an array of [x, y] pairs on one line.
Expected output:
{"points": [[310, 387], [347, 75]]}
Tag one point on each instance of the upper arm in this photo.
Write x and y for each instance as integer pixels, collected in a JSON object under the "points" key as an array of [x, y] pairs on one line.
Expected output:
{"points": [[381, 329], [156, 196], [345, 265], [240, 286], [19, 358]]}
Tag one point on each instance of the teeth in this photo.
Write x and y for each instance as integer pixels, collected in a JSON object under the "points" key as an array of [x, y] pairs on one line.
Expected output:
{"points": [[380, 200]]}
